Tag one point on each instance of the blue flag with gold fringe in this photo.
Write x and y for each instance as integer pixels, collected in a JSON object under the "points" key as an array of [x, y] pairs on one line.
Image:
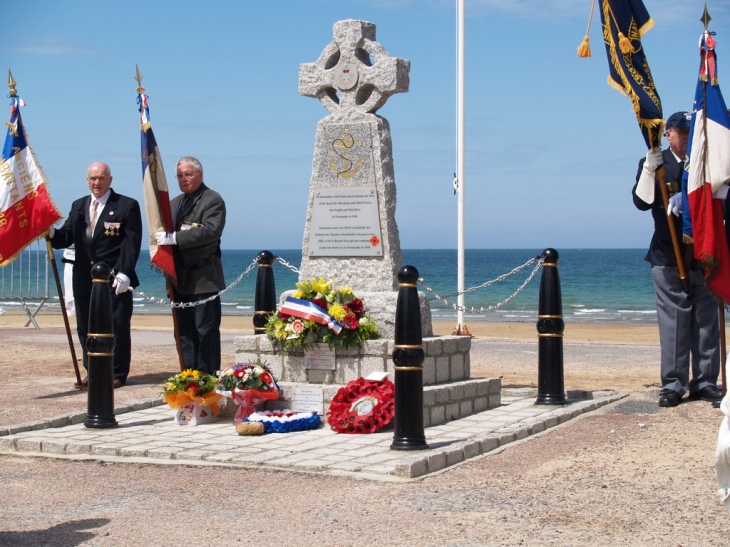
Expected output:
{"points": [[624, 22]]}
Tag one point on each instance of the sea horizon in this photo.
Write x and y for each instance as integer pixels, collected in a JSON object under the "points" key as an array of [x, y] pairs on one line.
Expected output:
{"points": [[598, 285]]}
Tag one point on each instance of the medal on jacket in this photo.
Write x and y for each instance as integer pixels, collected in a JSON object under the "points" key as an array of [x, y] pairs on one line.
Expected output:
{"points": [[112, 228]]}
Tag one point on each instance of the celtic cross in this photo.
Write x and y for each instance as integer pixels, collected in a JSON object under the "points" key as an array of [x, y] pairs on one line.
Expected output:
{"points": [[354, 71]]}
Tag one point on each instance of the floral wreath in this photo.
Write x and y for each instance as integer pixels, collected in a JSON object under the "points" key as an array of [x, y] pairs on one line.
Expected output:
{"points": [[362, 406], [285, 421], [317, 312], [192, 386]]}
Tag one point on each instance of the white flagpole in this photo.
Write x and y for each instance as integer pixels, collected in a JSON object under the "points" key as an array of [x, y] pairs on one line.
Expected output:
{"points": [[460, 327]]}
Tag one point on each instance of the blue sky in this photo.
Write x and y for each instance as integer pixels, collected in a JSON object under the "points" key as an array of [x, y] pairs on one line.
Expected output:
{"points": [[551, 150]]}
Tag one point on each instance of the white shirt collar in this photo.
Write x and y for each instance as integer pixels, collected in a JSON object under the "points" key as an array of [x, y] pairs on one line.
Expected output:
{"points": [[102, 200]]}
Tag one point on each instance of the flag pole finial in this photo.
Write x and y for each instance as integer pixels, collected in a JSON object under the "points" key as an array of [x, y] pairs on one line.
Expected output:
{"points": [[138, 76], [11, 85], [706, 18]]}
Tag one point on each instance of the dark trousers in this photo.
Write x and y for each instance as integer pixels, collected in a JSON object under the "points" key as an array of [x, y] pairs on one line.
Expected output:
{"points": [[122, 318], [689, 331], [200, 335]]}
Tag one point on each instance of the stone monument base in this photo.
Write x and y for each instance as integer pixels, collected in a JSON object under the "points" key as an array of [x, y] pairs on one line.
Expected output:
{"points": [[448, 394]]}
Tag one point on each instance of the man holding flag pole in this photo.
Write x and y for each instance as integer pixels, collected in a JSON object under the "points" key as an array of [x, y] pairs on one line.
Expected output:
{"points": [[686, 311]]}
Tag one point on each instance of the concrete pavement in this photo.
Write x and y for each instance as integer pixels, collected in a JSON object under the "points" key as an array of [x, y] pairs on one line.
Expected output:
{"points": [[147, 434]]}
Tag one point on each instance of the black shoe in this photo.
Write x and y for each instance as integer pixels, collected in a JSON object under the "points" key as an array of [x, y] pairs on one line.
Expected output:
{"points": [[118, 383], [669, 397], [707, 393]]}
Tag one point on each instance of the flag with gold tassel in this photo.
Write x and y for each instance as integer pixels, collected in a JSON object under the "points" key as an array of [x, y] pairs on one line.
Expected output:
{"points": [[624, 22]]}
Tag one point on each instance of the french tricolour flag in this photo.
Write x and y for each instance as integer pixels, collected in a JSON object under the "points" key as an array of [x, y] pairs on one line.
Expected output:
{"points": [[156, 194], [707, 169], [26, 208]]}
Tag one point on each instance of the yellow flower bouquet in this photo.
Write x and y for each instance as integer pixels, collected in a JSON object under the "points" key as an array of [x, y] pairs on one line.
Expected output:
{"points": [[192, 387]]}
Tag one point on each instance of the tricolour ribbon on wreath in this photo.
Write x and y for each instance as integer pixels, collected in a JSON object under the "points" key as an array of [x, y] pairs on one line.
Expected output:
{"points": [[304, 309]]}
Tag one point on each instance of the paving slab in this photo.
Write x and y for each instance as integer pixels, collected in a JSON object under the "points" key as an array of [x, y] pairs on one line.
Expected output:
{"points": [[147, 434]]}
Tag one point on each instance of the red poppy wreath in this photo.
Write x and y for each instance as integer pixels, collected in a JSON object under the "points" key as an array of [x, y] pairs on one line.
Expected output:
{"points": [[362, 406]]}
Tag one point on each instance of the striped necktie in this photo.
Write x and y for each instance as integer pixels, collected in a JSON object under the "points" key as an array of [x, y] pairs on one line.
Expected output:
{"points": [[94, 215]]}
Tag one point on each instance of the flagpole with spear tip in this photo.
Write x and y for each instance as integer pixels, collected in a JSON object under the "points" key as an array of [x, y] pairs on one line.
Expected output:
{"points": [[49, 249], [145, 125], [705, 19]]}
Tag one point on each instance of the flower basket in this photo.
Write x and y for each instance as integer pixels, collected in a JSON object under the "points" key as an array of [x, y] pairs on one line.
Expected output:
{"points": [[248, 385], [362, 406], [285, 421], [246, 399], [318, 313], [192, 394]]}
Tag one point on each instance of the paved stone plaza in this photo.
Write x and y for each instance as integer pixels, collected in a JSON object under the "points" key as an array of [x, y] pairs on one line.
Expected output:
{"points": [[147, 434]]}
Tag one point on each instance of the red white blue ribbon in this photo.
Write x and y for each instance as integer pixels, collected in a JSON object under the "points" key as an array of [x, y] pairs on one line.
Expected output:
{"points": [[305, 309]]}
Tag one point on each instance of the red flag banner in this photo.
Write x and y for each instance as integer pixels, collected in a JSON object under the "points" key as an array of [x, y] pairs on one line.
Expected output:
{"points": [[156, 195], [26, 208]]}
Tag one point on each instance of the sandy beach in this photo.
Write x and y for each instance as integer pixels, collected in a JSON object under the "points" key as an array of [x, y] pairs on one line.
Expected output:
{"points": [[584, 332]]}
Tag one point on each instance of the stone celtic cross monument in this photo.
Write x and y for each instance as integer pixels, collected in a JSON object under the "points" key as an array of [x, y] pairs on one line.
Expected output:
{"points": [[352, 238], [351, 235]]}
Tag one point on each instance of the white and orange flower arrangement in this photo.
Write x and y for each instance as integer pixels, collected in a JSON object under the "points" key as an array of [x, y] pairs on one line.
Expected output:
{"points": [[192, 387]]}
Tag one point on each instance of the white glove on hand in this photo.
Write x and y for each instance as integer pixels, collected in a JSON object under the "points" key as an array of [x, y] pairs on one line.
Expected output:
{"points": [[121, 283], [51, 231], [166, 238], [675, 205], [653, 160], [645, 187]]}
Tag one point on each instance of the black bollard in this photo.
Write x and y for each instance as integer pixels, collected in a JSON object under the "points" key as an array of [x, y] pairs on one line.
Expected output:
{"points": [[100, 350], [408, 357], [550, 326], [265, 301]]}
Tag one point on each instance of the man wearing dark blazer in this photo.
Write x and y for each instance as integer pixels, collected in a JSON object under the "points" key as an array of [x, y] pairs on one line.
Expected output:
{"points": [[689, 329], [199, 215], [104, 227]]}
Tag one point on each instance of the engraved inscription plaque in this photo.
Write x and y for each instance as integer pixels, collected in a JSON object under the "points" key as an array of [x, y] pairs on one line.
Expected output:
{"points": [[345, 222]]}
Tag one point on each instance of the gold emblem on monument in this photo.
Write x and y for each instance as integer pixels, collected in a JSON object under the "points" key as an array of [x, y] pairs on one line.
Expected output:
{"points": [[341, 148]]}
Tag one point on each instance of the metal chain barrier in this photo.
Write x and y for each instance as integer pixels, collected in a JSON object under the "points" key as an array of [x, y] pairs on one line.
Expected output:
{"points": [[172, 304], [444, 299], [502, 277], [285, 263]]}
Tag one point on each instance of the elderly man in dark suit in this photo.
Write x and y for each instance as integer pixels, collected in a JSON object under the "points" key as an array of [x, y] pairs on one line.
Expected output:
{"points": [[199, 215], [689, 330], [104, 227]]}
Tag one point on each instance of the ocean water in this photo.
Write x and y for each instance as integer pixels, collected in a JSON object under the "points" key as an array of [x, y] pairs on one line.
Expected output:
{"points": [[597, 285]]}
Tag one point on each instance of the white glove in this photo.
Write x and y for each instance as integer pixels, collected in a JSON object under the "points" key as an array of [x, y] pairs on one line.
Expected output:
{"points": [[645, 187], [51, 231], [166, 238], [121, 283], [653, 160], [675, 205]]}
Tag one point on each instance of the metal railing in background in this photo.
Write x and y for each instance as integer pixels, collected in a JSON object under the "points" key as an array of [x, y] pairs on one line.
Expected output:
{"points": [[26, 280]]}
